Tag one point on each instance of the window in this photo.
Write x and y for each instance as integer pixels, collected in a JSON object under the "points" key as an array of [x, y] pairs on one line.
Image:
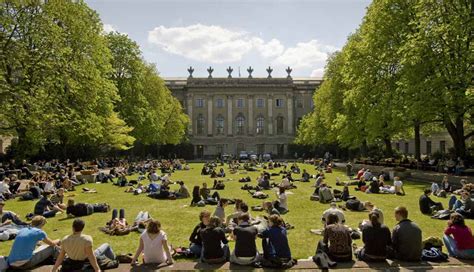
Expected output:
{"points": [[299, 103], [397, 146], [442, 146], [280, 125], [240, 123], [220, 103], [260, 103], [428, 147], [220, 149], [260, 125], [199, 103], [260, 149], [200, 124], [240, 103], [407, 148], [219, 125], [279, 103]]}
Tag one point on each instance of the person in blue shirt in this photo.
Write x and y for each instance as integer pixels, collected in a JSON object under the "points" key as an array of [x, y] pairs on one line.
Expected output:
{"points": [[275, 241], [24, 255]]}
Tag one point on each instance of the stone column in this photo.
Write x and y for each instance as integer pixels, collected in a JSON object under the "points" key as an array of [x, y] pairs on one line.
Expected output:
{"points": [[290, 113], [210, 120], [189, 104], [229, 115], [250, 117], [270, 115]]}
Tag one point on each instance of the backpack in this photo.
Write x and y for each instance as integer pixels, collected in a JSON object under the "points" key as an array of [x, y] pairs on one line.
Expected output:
{"points": [[433, 255]]}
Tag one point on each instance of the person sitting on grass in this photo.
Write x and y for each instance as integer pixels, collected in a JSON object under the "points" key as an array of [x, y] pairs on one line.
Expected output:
{"points": [[377, 240], [220, 209], [215, 248], [154, 245], [183, 191], [276, 249], [427, 205], [337, 241], [463, 206], [245, 252], [325, 194], [197, 200], [76, 251], [58, 199], [333, 210], [23, 255], [305, 177], [205, 194], [195, 238], [346, 194], [458, 238], [46, 208], [406, 237], [282, 203], [82, 209]]}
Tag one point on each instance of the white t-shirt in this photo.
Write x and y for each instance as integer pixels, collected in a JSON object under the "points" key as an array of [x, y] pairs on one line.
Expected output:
{"points": [[283, 203], [153, 249], [339, 213], [397, 184], [4, 188], [285, 183]]}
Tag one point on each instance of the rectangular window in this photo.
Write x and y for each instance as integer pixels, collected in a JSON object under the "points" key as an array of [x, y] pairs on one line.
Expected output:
{"points": [[299, 103], [220, 149], [428, 147], [442, 146], [220, 103], [407, 146], [279, 103], [199, 103], [240, 103], [260, 103]]}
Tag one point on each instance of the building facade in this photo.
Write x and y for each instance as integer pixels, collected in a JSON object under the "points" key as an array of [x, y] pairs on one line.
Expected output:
{"points": [[230, 115], [437, 142]]}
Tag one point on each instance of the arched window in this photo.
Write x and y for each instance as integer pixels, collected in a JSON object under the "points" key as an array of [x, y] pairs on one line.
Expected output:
{"points": [[200, 124], [220, 125], [280, 124], [240, 123], [260, 125]]}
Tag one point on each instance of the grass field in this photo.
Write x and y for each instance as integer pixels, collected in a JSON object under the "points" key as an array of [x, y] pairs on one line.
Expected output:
{"points": [[178, 218]]}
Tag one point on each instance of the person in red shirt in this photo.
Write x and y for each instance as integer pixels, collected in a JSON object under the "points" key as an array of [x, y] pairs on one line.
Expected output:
{"points": [[360, 173], [458, 238]]}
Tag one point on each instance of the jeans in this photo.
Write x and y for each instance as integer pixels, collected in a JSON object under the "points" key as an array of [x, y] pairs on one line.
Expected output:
{"points": [[196, 249], [115, 213], [49, 214], [454, 203], [454, 251], [105, 251], [39, 255], [10, 216]]}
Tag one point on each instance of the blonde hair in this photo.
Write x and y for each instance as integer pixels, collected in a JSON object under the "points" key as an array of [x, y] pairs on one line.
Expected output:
{"points": [[38, 221]]}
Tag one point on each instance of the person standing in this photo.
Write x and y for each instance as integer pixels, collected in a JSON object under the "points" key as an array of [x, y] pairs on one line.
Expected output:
{"points": [[406, 237]]}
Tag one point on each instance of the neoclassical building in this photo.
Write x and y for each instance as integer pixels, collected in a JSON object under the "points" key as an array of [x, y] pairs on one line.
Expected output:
{"points": [[230, 115]]}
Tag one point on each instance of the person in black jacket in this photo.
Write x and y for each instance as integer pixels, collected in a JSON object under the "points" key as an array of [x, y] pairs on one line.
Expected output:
{"points": [[377, 241], [245, 252], [83, 209], [427, 205], [215, 248], [195, 238]]}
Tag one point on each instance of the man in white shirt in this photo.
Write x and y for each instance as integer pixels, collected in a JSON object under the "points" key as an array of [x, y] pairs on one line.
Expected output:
{"points": [[4, 190], [333, 209]]}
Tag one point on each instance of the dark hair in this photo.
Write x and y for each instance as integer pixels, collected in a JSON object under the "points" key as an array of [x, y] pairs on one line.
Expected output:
{"points": [[282, 190], [204, 214], [244, 217], [276, 220], [457, 219], [78, 225], [154, 227], [214, 222], [332, 219], [223, 201], [402, 211], [427, 191], [374, 219], [244, 207]]}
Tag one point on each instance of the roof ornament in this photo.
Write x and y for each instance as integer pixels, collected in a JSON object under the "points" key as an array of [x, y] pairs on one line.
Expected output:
{"points": [[250, 70], [210, 70], [269, 71], [229, 70], [288, 71], [190, 71]]}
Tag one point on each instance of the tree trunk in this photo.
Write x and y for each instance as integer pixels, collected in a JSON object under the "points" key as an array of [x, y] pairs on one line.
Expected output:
{"points": [[417, 140], [456, 131], [388, 147], [364, 149]]}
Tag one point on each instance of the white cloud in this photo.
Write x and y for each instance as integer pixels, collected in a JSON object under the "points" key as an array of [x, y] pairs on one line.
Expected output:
{"points": [[210, 43], [108, 28], [319, 72], [305, 55], [216, 44]]}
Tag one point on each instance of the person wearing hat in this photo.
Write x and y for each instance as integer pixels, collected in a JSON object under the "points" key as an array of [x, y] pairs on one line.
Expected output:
{"points": [[24, 255]]}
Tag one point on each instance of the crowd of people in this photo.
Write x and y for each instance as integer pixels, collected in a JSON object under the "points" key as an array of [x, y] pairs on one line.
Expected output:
{"points": [[48, 182]]}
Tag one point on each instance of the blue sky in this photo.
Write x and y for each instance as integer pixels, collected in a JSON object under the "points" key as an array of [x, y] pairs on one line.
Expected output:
{"points": [[177, 34]]}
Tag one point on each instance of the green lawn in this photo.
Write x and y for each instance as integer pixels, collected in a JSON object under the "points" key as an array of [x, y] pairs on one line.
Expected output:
{"points": [[178, 219]]}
